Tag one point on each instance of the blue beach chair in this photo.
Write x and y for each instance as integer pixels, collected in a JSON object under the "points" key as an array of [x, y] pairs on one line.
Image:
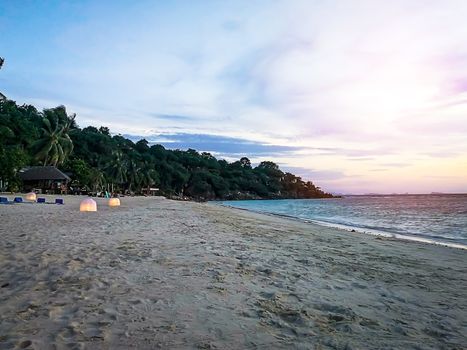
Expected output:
{"points": [[40, 200], [3, 200], [18, 200], [58, 200]]}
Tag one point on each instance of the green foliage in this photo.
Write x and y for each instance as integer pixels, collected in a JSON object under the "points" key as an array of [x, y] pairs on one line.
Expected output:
{"points": [[12, 159], [55, 144], [80, 170], [96, 160]]}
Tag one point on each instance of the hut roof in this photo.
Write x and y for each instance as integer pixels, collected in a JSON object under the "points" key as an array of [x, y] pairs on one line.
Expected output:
{"points": [[36, 173]]}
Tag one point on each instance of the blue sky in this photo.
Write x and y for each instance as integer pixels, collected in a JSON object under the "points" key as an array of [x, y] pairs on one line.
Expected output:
{"points": [[360, 96]]}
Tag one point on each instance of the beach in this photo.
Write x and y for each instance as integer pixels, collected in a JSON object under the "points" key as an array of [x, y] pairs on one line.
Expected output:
{"points": [[156, 273]]}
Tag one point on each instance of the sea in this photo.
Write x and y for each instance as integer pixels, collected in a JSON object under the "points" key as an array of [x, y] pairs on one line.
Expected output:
{"points": [[433, 218]]}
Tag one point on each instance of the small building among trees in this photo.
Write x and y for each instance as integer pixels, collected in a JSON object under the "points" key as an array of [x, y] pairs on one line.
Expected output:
{"points": [[46, 179]]}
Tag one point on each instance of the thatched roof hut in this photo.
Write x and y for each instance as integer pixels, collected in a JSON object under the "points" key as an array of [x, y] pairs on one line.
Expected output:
{"points": [[46, 178]]}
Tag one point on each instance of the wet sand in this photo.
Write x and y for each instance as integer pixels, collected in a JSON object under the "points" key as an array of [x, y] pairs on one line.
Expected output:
{"points": [[156, 273]]}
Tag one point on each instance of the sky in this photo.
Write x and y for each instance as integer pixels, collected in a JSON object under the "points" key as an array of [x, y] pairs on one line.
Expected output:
{"points": [[358, 96]]}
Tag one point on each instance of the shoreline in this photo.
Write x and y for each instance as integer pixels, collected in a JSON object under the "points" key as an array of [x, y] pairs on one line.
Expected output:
{"points": [[347, 228], [156, 273]]}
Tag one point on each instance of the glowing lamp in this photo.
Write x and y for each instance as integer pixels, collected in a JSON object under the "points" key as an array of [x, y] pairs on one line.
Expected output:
{"points": [[88, 204], [114, 202], [31, 196]]}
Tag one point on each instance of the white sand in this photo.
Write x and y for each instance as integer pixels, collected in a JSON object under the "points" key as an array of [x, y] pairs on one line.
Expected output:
{"points": [[155, 273]]}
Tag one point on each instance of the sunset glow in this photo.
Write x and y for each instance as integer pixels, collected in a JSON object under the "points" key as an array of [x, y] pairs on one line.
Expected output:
{"points": [[358, 96]]}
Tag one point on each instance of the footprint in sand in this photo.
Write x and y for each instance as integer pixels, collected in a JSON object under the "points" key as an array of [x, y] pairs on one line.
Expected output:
{"points": [[25, 344]]}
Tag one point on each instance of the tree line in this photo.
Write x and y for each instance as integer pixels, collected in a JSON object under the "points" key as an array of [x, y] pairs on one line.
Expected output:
{"points": [[97, 160]]}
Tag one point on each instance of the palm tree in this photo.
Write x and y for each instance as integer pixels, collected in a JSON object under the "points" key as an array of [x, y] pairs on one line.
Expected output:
{"points": [[117, 169], [148, 176], [55, 145], [133, 174], [97, 178]]}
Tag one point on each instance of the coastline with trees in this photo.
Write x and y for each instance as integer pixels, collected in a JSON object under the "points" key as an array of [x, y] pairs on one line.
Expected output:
{"points": [[98, 161]]}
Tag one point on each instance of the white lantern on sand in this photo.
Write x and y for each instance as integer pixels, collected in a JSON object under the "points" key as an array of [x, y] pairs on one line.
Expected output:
{"points": [[31, 196], [114, 202], [88, 204]]}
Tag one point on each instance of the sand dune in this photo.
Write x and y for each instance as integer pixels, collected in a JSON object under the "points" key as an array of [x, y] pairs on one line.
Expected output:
{"points": [[155, 273]]}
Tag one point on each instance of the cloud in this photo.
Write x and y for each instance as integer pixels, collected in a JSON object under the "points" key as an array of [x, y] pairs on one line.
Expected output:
{"points": [[321, 83], [221, 145], [172, 117], [237, 146], [361, 159], [315, 175], [379, 169], [395, 164]]}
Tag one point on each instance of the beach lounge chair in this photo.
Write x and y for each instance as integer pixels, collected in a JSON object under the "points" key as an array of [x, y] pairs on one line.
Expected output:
{"points": [[58, 200], [18, 200], [40, 200], [3, 200]]}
